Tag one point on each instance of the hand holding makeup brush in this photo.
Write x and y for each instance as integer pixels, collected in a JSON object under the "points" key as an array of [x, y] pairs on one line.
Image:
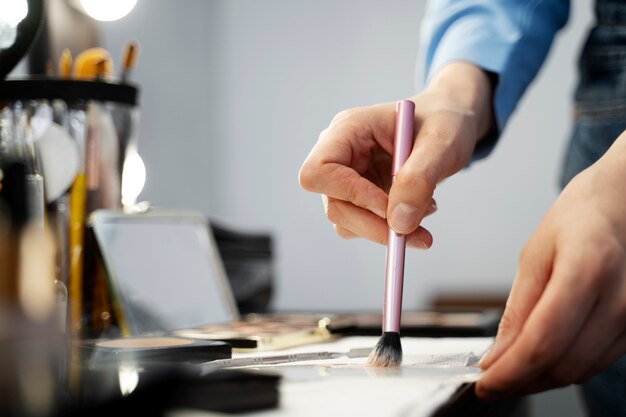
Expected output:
{"points": [[350, 163], [352, 167]]}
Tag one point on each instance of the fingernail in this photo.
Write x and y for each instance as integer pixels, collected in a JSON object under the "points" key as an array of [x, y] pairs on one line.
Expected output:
{"points": [[486, 355], [417, 244], [402, 218], [432, 208], [485, 395], [380, 213]]}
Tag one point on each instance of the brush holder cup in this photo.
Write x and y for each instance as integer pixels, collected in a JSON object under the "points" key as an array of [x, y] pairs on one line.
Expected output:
{"points": [[77, 140]]}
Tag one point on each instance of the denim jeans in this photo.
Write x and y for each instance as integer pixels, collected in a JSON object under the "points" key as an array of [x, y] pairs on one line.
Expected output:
{"points": [[599, 118]]}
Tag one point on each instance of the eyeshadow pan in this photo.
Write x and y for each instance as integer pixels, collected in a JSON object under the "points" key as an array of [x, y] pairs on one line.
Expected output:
{"points": [[147, 342]]}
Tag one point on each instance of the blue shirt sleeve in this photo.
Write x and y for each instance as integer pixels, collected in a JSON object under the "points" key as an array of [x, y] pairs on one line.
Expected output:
{"points": [[510, 38]]}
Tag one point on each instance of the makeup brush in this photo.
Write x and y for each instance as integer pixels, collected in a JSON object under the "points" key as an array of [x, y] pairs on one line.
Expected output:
{"points": [[282, 359], [129, 58], [388, 350], [65, 64], [49, 68], [93, 63]]}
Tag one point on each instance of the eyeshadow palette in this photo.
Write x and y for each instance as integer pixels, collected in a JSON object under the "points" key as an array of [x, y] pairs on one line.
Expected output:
{"points": [[266, 332]]}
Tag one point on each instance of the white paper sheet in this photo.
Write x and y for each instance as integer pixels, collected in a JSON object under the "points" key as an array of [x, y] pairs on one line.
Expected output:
{"points": [[432, 370]]}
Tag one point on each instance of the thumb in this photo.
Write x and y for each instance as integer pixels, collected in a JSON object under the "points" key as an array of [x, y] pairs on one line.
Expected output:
{"points": [[411, 193], [410, 199]]}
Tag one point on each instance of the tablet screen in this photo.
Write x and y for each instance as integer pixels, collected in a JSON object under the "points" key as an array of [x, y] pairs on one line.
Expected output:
{"points": [[165, 271]]}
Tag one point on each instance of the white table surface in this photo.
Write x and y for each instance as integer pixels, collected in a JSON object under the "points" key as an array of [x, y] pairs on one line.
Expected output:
{"points": [[432, 370]]}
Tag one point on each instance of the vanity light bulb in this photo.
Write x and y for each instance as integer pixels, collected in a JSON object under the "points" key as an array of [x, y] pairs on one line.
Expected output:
{"points": [[128, 378], [133, 179], [107, 10], [13, 11]]}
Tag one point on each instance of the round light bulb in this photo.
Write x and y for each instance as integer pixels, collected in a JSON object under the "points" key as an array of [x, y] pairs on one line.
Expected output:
{"points": [[107, 10], [13, 11], [133, 179]]}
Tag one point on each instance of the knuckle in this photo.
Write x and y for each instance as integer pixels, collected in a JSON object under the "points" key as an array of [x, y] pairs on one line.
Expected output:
{"points": [[344, 115], [563, 375], [306, 177], [605, 261], [333, 211], [508, 321], [343, 233], [352, 190], [323, 134], [525, 256], [325, 204], [541, 354]]}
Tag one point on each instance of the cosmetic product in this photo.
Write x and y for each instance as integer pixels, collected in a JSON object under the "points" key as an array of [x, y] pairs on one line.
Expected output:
{"points": [[176, 249], [142, 349], [287, 358], [388, 351], [427, 323], [156, 388], [93, 63], [129, 59], [65, 64]]}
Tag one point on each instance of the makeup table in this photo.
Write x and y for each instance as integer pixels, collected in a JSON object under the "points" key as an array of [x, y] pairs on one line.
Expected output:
{"points": [[434, 380]]}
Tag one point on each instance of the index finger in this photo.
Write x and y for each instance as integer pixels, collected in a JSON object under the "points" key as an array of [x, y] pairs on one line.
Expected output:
{"points": [[551, 327], [332, 168]]}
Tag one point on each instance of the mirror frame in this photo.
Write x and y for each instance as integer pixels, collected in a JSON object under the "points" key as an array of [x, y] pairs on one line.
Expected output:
{"points": [[27, 32]]}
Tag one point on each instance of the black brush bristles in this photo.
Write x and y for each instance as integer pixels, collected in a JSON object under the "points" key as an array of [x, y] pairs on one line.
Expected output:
{"points": [[388, 351]]}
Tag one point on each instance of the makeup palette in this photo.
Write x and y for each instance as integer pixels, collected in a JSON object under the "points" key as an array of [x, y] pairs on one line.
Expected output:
{"points": [[167, 277], [266, 332], [151, 349], [155, 389], [422, 323]]}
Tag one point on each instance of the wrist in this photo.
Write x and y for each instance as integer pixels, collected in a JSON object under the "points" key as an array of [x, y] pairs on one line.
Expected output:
{"points": [[604, 182], [612, 165], [472, 88]]}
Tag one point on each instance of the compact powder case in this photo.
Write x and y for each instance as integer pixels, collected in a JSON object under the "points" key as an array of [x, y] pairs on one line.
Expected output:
{"points": [[157, 348]]}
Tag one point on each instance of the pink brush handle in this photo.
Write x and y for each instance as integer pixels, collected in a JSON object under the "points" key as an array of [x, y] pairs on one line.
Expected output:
{"points": [[394, 270]]}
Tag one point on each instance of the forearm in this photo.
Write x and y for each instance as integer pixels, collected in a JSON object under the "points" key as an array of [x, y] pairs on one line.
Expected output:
{"points": [[509, 38]]}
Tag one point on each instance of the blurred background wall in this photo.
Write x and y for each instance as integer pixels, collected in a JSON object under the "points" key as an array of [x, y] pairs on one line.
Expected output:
{"points": [[235, 92]]}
